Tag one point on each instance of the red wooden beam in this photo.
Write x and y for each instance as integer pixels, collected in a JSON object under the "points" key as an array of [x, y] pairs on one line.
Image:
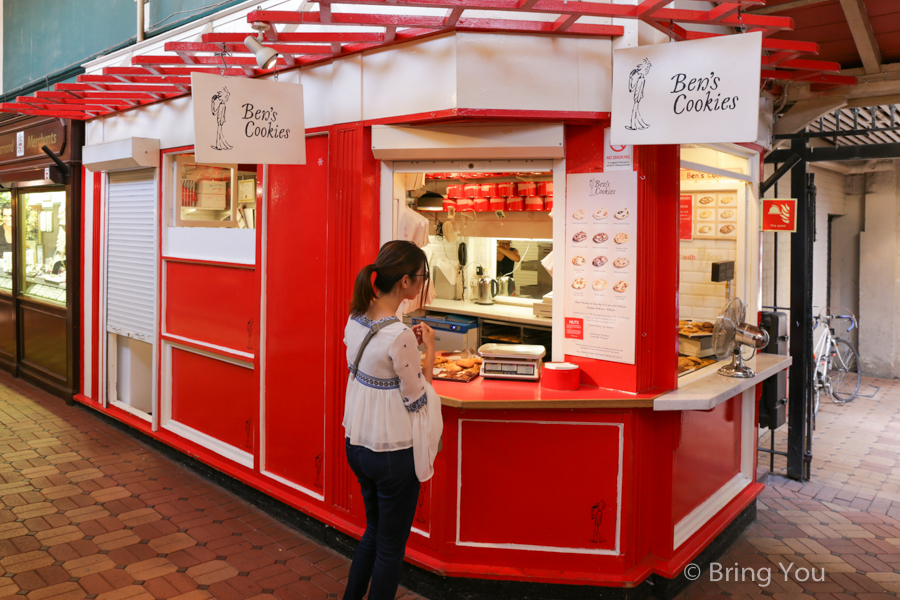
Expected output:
{"points": [[299, 37], [193, 47]]}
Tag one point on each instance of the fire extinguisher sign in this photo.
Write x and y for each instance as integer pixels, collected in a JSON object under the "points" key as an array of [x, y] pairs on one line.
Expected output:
{"points": [[779, 214]]}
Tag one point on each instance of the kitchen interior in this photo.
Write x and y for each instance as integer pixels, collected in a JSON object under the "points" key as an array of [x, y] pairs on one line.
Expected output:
{"points": [[481, 298]]}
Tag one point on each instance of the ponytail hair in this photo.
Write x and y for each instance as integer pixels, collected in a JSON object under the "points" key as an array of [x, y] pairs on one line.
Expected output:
{"points": [[395, 260]]}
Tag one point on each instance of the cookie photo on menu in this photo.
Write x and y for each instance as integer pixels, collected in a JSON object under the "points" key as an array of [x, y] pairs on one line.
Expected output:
{"points": [[726, 229], [621, 238], [599, 261], [579, 283], [704, 229], [599, 284], [601, 214], [706, 200], [600, 238], [705, 214], [620, 287], [578, 214], [578, 261], [579, 237], [726, 199], [622, 214], [726, 214], [621, 263]]}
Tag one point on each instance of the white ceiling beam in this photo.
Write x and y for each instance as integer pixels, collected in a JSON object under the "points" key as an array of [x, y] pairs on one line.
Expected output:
{"points": [[863, 35]]}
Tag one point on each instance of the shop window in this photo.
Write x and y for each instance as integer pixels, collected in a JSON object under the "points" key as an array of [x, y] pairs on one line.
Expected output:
{"points": [[214, 195], [43, 246], [6, 242]]}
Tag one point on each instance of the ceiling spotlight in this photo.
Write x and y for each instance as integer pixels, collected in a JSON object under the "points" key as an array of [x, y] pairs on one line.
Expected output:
{"points": [[265, 57]]}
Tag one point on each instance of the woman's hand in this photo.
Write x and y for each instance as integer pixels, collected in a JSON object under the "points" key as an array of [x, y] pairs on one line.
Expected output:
{"points": [[426, 334]]}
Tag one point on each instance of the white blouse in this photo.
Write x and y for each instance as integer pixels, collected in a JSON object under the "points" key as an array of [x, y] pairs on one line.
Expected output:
{"points": [[386, 398]]}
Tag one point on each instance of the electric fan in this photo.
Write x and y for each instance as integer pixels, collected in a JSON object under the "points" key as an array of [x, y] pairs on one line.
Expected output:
{"points": [[730, 333]]}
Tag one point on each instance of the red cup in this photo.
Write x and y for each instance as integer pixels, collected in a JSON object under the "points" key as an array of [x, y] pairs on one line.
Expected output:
{"points": [[548, 203], [488, 190], [526, 188], [560, 376], [498, 203], [482, 204], [464, 204], [448, 202], [472, 190], [454, 191], [534, 203], [515, 203], [544, 188], [506, 189]]}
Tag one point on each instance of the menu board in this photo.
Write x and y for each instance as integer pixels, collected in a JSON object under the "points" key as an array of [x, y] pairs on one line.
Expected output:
{"points": [[601, 252], [686, 216], [715, 215]]}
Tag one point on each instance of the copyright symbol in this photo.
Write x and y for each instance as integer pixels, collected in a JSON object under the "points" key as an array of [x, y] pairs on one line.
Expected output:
{"points": [[692, 572]]}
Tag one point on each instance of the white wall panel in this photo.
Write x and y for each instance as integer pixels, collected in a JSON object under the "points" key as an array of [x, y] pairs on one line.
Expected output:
{"points": [[409, 79], [347, 80]]}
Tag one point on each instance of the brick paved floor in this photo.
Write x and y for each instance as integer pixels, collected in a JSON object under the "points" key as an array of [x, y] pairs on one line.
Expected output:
{"points": [[86, 511], [845, 521]]}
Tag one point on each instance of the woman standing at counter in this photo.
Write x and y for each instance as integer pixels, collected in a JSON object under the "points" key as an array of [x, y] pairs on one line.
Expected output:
{"points": [[385, 399]]}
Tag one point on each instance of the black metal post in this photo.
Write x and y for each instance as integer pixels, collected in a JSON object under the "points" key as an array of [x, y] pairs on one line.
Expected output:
{"points": [[801, 316]]}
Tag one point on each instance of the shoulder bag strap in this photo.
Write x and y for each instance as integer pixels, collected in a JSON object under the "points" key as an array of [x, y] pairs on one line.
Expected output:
{"points": [[372, 331]]}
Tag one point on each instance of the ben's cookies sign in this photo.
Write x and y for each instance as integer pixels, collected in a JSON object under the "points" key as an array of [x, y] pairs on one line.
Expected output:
{"points": [[250, 121], [702, 91]]}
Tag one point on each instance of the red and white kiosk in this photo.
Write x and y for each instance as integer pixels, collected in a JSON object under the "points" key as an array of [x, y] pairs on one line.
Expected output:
{"points": [[215, 295]]}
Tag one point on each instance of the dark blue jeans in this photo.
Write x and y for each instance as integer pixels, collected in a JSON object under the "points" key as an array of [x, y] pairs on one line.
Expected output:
{"points": [[390, 491]]}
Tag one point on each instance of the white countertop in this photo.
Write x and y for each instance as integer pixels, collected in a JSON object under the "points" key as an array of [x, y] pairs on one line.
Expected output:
{"points": [[714, 389], [495, 312]]}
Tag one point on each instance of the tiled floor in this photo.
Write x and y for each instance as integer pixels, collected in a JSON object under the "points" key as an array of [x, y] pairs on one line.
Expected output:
{"points": [[89, 512], [844, 522]]}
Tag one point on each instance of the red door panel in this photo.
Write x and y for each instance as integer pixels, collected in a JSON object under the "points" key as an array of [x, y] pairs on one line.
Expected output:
{"points": [[708, 455], [215, 397], [216, 305], [544, 484], [296, 318]]}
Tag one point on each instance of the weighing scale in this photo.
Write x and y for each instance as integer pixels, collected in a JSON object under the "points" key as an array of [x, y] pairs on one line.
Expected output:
{"points": [[511, 361]]}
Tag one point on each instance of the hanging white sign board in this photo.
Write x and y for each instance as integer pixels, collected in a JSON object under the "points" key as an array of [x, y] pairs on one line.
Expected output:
{"points": [[250, 121], [701, 91]]}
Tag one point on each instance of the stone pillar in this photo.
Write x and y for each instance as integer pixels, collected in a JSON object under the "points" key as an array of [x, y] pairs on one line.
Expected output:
{"points": [[879, 277]]}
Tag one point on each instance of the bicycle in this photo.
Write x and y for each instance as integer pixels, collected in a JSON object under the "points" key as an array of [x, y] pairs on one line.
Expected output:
{"points": [[836, 362]]}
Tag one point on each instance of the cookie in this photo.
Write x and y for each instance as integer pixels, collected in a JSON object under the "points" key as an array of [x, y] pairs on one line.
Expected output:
{"points": [[453, 368], [689, 330], [579, 283], [478, 360], [466, 363], [599, 261], [578, 261], [726, 229], [621, 286], [621, 238], [726, 214], [578, 214], [726, 200], [705, 214], [705, 229], [622, 214], [706, 200], [579, 237], [599, 284], [600, 238], [621, 263], [601, 214]]}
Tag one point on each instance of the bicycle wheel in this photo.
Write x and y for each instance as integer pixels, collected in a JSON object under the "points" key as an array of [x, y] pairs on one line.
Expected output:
{"points": [[843, 371]]}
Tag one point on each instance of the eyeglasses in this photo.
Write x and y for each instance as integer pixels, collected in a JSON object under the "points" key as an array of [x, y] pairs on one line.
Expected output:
{"points": [[425, 275]]}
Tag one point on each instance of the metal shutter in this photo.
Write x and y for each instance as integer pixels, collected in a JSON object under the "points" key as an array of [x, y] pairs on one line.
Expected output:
{"points": [[131, 255]]}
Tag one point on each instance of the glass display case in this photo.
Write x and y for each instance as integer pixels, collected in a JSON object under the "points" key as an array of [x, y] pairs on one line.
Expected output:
{"points": [[42, 248]]}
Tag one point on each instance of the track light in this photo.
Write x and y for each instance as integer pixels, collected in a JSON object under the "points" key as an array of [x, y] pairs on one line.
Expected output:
{"points": [[265, 57]]}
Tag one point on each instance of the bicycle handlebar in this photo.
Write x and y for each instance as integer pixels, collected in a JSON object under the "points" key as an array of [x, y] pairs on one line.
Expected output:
{"points": [[851, 318]]}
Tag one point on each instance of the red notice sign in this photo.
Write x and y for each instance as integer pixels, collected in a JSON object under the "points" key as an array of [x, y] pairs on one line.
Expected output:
{"points": [[779, 214], [686, 213], [574, 329]]}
